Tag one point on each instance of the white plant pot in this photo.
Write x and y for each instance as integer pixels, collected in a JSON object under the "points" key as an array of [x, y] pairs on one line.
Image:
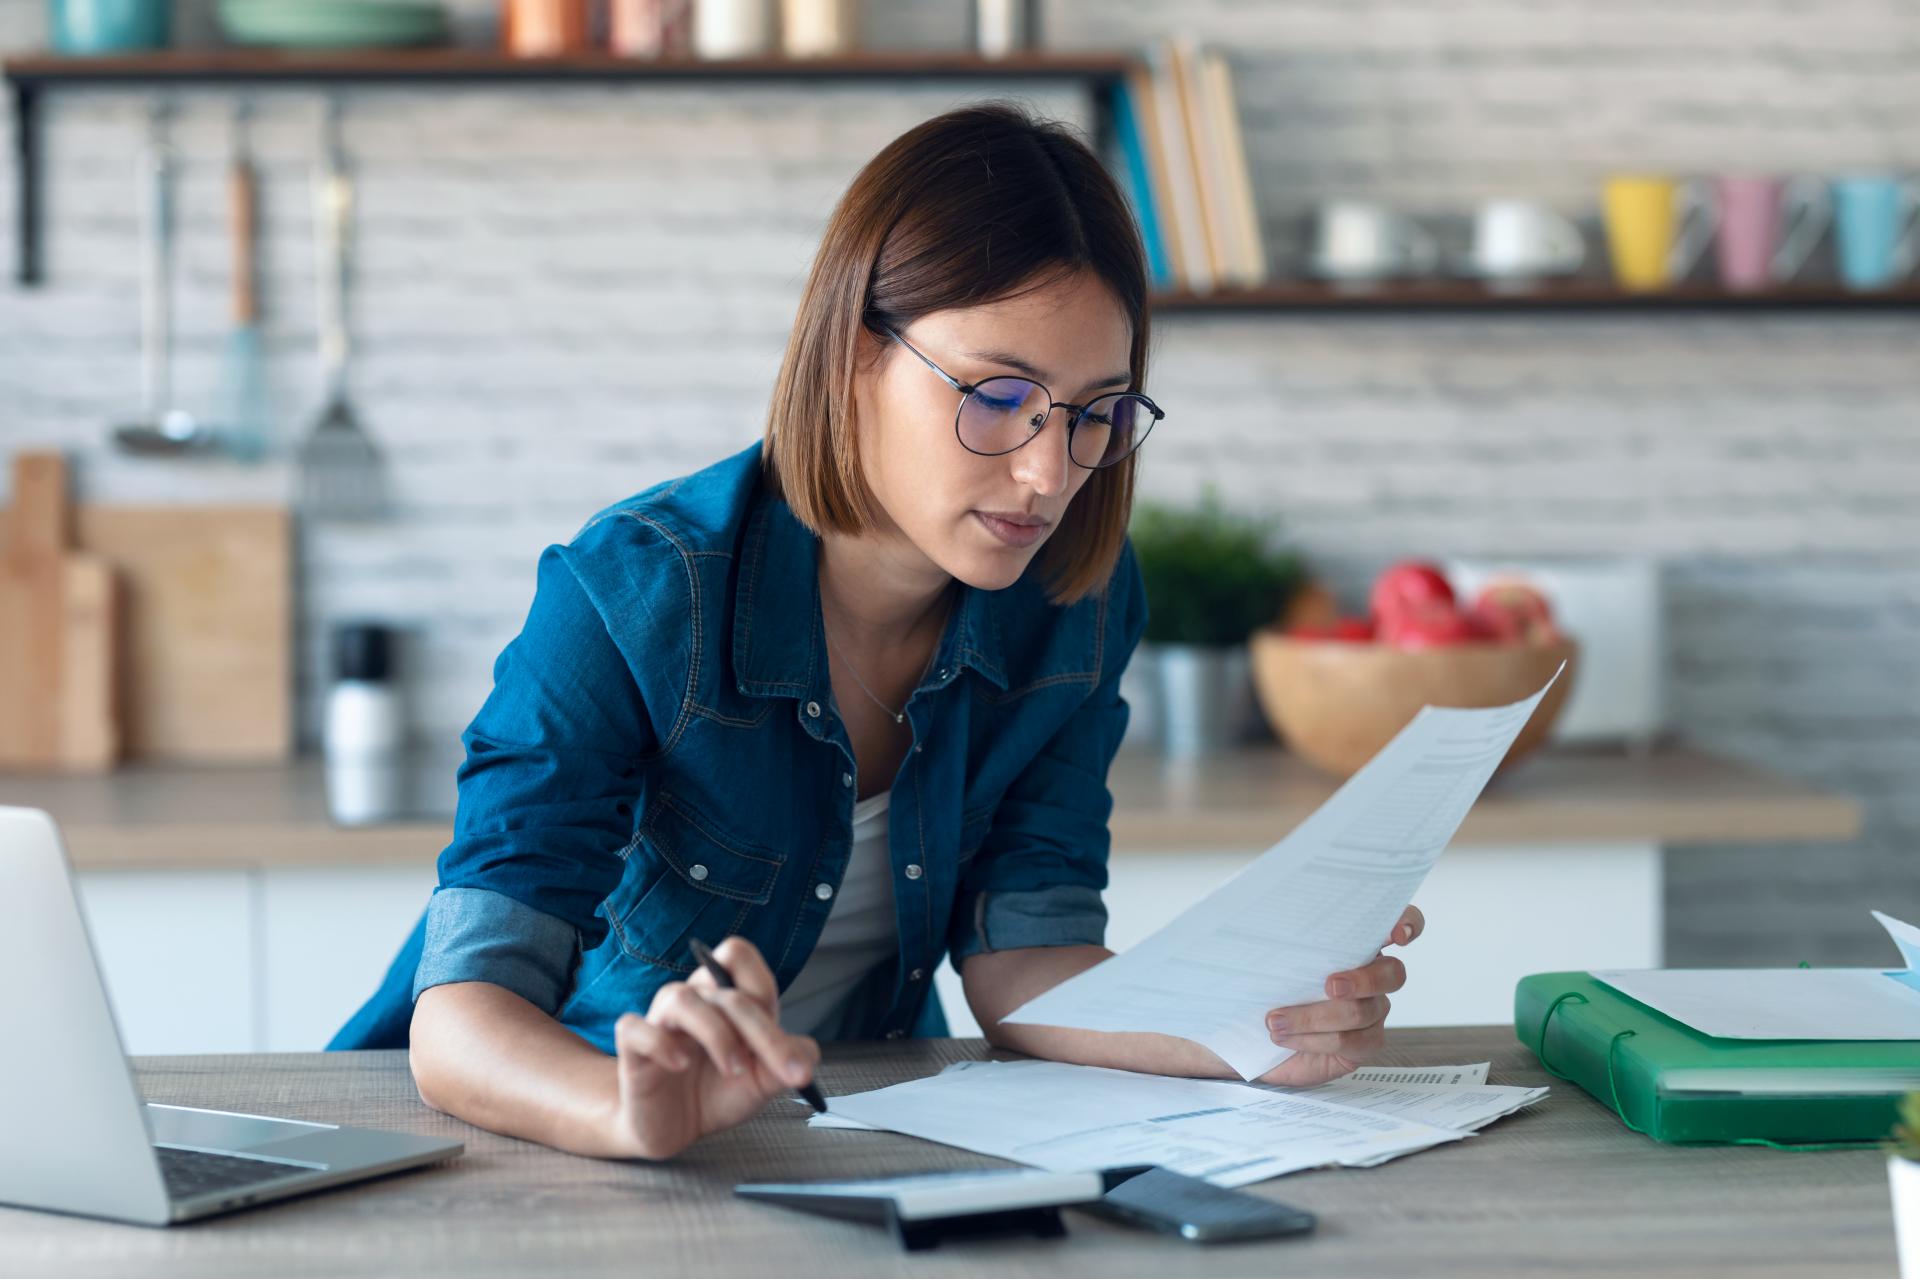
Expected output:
{"points": [[1903, 1178]]}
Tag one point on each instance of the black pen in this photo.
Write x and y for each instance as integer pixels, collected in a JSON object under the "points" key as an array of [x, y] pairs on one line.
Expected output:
{"points": [[724, 979]]}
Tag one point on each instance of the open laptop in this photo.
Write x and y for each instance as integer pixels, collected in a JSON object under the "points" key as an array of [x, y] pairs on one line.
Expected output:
{"points": [[77, 1136]]}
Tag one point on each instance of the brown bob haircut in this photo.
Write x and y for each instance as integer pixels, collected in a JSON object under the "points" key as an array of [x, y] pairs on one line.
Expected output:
{"points": [[979, 205]]}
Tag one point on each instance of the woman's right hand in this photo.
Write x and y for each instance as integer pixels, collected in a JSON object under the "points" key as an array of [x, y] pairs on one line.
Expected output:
{"points": [[703, 1059]]}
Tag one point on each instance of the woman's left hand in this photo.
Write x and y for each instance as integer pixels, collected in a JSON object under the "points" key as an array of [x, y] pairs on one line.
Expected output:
{"points": [[1333, 1037]]}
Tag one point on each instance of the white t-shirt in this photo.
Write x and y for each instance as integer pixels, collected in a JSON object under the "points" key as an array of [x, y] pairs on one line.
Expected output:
{"points": [[860, 932]]}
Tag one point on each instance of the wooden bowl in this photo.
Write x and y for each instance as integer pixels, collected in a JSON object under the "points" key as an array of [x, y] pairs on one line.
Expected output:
{"points": [[1336, 703]]}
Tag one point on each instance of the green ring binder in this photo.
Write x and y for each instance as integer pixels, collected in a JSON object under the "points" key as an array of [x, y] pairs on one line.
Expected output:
{"points": [[1727, 1119]]}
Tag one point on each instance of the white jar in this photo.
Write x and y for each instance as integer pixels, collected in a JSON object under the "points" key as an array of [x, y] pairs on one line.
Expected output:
{"points": [[1003, 27], [365, 730], [816, 28], [732, 28]]}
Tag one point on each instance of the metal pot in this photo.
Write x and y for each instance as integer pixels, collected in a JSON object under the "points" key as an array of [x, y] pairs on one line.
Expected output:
{"points": [[1206, 700]]}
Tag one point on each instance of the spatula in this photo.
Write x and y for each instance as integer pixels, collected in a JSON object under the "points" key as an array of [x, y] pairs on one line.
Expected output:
{"points": [[340, 466]]}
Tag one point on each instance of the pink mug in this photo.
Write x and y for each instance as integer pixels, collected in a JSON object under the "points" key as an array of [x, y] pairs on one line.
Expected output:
{"points": [[1753, 252]]}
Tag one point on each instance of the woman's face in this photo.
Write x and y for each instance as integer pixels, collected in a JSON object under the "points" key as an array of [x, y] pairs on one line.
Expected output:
{"points": [[937, 495]]}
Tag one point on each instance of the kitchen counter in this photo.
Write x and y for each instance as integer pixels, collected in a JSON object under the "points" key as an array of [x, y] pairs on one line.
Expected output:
{"points": [[157, 817], [233, 913]]}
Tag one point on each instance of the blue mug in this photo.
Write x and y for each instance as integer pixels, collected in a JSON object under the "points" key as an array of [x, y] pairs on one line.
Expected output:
{"points": [[109, 26], [1876, 229]]}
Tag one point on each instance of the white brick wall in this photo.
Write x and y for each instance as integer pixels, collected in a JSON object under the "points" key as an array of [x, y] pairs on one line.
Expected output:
{"points": [[565, 294]]}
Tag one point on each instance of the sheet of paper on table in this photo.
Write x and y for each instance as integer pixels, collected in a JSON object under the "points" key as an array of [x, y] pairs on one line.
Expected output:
{"points": [[1461, 1107], [1356, 1088], [1787, 1003], [1066, 1118], [1456, 1097], [1322, 899]]}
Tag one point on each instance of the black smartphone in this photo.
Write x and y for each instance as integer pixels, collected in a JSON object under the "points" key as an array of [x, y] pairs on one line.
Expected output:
{"points": [[1177, 1204]]}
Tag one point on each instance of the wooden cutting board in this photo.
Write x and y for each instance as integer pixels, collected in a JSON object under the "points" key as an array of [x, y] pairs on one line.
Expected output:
{"points": [[206, 658], [59, 628]]}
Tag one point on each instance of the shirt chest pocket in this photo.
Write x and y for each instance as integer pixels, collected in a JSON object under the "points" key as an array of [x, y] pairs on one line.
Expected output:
{"points": [[685, 877]]}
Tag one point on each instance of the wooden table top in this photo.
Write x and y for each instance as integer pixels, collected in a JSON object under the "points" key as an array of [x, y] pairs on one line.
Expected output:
{"points": [[1243, 799], [1560, 1188]]}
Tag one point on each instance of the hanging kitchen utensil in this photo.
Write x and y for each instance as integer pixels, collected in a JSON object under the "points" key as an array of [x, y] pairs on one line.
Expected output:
{"points": [[340, 470], [163, 429], [243, 399]]}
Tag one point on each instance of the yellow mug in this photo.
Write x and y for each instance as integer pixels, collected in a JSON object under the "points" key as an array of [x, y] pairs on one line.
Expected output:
{"points": [[1657, 228]]}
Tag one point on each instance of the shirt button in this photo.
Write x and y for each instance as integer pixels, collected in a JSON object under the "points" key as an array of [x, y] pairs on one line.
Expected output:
{"points": [[917, 746], [823, 891], [895, 1034], [846, 779], [918, 974], [813, 709], [697, 871], [913, 870]]}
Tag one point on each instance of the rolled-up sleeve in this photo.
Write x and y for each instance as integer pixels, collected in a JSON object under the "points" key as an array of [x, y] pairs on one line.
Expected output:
{"points": [[476, 934], [547, 793], [1037, 878]]}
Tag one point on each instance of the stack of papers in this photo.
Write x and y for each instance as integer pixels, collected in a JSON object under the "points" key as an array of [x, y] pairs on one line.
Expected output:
{"points": [[1068, 1118]]}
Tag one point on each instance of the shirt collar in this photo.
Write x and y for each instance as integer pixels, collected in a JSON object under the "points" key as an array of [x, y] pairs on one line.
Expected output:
{"points": [[778, 585]]}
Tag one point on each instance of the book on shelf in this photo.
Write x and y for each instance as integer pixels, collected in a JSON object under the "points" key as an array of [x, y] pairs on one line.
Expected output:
{"points": [[1140, 180], [1185, 169], [1250, 251]]}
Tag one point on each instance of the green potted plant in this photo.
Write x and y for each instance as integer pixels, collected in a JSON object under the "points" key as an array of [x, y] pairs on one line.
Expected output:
{"points": [[1213, 577], [1903, 1177]]}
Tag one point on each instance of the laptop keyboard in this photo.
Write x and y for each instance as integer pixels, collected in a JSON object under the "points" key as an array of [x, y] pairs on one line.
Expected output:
{"points": [[194, 1172]]}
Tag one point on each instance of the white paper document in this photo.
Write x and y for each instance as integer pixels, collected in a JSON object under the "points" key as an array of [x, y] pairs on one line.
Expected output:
{"points": [[1450, 1090], [1907, 938], [1321, 900], [1067, 1118], [1460, 1107], [1450, 1075], [1786, 1003]]}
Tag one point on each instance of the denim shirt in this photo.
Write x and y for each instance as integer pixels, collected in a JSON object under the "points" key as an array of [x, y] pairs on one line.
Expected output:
{"points": [[661, 757]]}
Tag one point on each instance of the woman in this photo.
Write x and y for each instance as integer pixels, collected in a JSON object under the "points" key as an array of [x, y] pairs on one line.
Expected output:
{"points": [[845, 699]]}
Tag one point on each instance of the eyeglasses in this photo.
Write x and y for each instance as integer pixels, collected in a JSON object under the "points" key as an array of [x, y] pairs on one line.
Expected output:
{"points": [[999, 414]]}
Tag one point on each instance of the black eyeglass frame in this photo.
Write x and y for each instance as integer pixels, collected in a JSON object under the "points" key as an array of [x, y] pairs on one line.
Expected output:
{"points": [[1074, 411]]}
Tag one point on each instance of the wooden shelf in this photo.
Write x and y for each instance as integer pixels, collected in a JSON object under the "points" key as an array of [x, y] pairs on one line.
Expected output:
{"points": [[223, 65], [1586, 296], [30, 76]]}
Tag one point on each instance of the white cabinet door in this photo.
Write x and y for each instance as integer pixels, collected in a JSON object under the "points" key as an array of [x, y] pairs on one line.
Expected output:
{"points": [[177, 950], [328, 936]]}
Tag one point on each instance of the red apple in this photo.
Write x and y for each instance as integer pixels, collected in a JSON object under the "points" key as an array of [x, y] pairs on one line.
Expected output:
{"points": [[1429, 626], [1357, 630], [1512, 612], [1409, 585], [1346, 629]]}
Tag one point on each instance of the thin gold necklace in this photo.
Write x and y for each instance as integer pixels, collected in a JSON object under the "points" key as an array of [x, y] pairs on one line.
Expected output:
{"points": [[899, 716]]}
